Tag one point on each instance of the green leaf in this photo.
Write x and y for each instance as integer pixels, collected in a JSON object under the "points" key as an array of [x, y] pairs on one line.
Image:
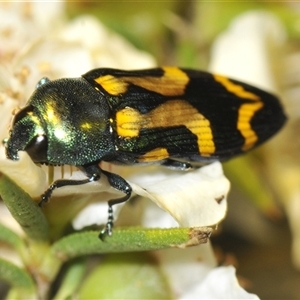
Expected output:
{"points": [[24, 210], [126, 276], [10, 237], [128, 240], [71, 280], [18, 278], [122, 240]]}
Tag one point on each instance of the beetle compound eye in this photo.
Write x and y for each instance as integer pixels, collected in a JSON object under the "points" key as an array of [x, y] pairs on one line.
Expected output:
{"points": [[37, 148]]}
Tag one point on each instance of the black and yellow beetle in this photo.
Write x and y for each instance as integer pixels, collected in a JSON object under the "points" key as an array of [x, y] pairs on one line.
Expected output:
{"points": [[175, 117]]}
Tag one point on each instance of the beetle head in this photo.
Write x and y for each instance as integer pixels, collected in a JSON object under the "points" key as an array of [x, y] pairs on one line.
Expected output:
{"points": [[66, 121], [27, 134]]}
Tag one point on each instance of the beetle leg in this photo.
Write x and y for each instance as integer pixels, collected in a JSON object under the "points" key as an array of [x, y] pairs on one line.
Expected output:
{"points": [[60, 183], [176, 165], [93, 173], [122, 185], [117, 182]]}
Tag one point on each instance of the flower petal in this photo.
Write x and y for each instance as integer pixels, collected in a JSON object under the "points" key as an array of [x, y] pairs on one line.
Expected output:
{"points": [[7, 105], [24, 172], [186, 268], [94, 213], [107, 48], [194, 198], [22, 23], [220, 283], [248, 57]]}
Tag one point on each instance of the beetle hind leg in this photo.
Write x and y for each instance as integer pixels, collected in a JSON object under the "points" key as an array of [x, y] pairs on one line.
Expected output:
{"points": [[176, 164]]}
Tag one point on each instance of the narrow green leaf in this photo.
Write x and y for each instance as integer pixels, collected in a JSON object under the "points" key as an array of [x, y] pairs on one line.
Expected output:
{"points": [[16, 294], [126, 276], [128, 240], [18, 278], [10, 237], [24, 210], [71, 280], [122, 240]]}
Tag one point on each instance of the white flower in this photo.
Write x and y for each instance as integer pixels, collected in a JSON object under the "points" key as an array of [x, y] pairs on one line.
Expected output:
{"points": [[220, 283], [193, 274], [194, 199], [249, 49]]}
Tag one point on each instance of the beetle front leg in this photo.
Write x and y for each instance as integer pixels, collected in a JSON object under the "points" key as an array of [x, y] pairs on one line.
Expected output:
{"points": [[62, 182], [93, 173]]}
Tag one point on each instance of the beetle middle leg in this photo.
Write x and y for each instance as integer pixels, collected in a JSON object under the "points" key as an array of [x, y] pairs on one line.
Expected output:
{"points": [[117, 182], [121, 185]]}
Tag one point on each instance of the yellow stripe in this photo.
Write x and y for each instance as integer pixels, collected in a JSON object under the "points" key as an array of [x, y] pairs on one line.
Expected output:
{"points": [[246, 112], [155, 154], [234, 88], [112, 85], [129, 122], [172, 83]]}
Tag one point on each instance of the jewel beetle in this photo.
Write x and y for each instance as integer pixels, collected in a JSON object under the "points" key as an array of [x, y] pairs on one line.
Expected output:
{"points": [[179, 118]]}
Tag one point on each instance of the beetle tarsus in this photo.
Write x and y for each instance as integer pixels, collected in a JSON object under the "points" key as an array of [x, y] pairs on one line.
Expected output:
{"points": [[107, 230], [47, 195], [120, 184]]}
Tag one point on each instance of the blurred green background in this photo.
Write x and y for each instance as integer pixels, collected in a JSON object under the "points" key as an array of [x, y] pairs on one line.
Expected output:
{"points": [[179, 32]]}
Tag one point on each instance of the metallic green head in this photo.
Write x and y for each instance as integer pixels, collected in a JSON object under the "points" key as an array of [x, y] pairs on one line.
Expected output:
{"points": [[66, 121]]}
